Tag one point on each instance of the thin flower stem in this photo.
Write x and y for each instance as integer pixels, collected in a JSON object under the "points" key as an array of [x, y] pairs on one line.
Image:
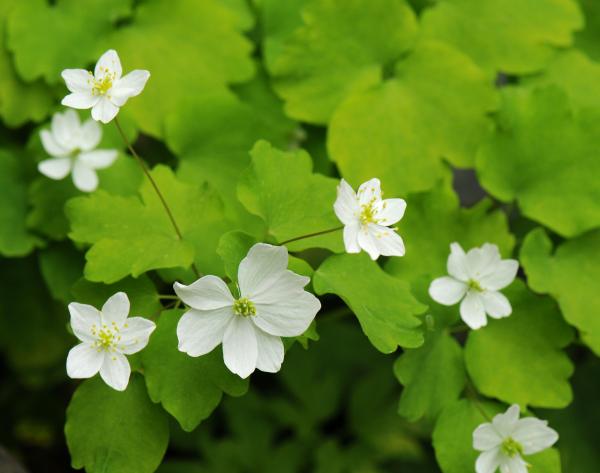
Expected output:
{"points": [[475, 398], [168, 296], [156, 189], [310, 235]]}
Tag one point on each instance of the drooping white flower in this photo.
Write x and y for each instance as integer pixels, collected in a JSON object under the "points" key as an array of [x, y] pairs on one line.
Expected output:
{"points": [[505, 440], [367, 219], [72, 147], [105, 90], [106, 337], [476, 278], [272, 303]]}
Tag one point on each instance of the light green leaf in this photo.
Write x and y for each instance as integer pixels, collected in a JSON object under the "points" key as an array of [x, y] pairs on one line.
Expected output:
{"points": [[188, 388], [545, 157], [512, 36], [343, 46], [519, 359], [281, 188], [570, 274], [383, 304], [400, 130], [115, 432], [233, 247]]}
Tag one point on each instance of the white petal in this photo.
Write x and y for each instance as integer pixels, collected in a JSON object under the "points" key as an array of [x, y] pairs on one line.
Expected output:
{"points": [[109, 63], [199, 332], [98, 159], [513, 465], [287, 286], [482, 261], [129, 86], [506, 422], [365, 241], [351, 237], [485, 437], [488, 461], [270, 352], [84, 177], [134, 334], [261, 268], [387, 241], [115, 309], [65, 129], [115, 371], [84, 361], [240, 349], [496, 304], [52, 147], [91, 134], [83, 318], [346, 204], [55, 168], [503, 274], [369, 191], [104, 110], [457, 263], [207, 293], [472, 311], [288, 317], [389, 211], [447, 290], [80, 100], [78, 80], [534, 435]]}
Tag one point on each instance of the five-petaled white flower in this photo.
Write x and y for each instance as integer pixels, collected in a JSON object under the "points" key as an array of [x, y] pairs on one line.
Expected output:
{"points": [[72, 144], [367, 217], [476, 277], [507, 438], [272, 303], [106, 336], [105, 90]]}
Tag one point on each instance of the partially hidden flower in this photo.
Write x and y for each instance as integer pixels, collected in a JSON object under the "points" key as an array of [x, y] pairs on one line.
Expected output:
{"points": [[106, 337], [105, 90], [72, 147], [367, 219], [476, 278], [505, 440], [272, 303]]}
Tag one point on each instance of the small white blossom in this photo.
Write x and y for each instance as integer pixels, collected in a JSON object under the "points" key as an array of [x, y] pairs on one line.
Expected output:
{"points": [[507, 438], [272, 303], [72, 146], [475, 278], [106, 336], [105, 90], [367, 218]]}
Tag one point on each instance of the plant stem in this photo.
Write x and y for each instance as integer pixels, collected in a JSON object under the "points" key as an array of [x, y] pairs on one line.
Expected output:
{"points": [[309, 235], [475, 398], [155, 186], [168, 297]]}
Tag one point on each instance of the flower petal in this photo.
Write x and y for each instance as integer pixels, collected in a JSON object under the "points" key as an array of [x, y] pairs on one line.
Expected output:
{"points": [[55, 168], [115, 371], [506, 422], [84, 177], [200, 331], [534, 435], [513, 465], [116, 309], [83, 318], [496, 304], [134, 334], [387, 241], [389, 211], [287, 286], [485, 437], [240, 348], [346, 204], [351, 237], [289, 317], [78, 80], [109, 63], [99, 158], [482, 261], [261, 268], [52, 147], [206, 293], [80, 100], [367, 243], [488, 461], [503, 274], [369, 191], [472, 311], [91, 134], [84, 361], [104, 110], [457, 263], [129, 86], [447, 290], [270, 352]]}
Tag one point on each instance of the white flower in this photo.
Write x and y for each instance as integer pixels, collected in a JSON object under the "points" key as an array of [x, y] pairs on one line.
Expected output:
{"points": [[106, 336], [72, 146], [272, 304], [105, 90], [476, 278], [507, 438], [366, 218]]}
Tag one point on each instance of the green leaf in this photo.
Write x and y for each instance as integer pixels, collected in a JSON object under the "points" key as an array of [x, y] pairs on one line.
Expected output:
{"points": [[47, 199], [61, 266], [131, 235], [570, 274], [520, 359], [512, 36], [233, 248], [281, 188], [433, 376], [115, 432], [383, 304], [342, 47], [400, 130], [188, 388], [561, 190], [589, 39]]}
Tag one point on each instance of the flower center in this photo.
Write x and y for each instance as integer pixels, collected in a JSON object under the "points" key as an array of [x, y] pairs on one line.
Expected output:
{"points": [[106, 337], [474, 285], [511, 447], [368, 213], [103, 84], [244, 307]]}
